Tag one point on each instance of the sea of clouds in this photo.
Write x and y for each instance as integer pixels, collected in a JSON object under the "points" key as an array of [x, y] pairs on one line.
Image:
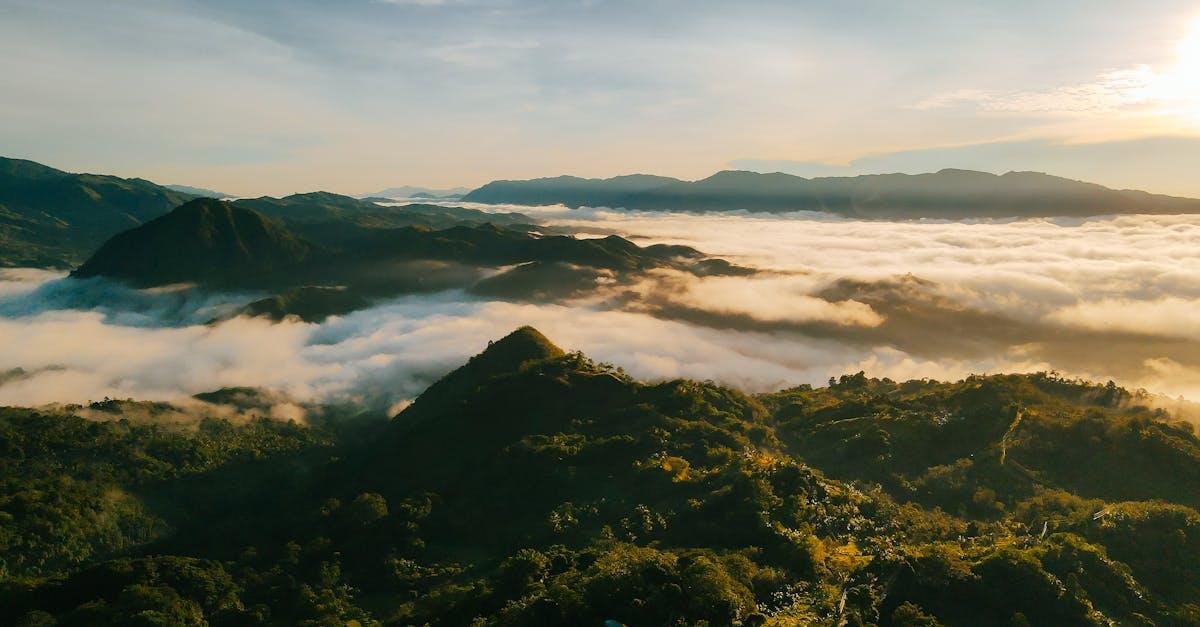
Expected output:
{"points": [[1112, 297]]}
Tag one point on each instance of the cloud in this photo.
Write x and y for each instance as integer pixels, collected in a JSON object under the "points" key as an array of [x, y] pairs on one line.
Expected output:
{"points": [[24, 292], [1100, 298], [770, 299], [387, 354], [1166, 317], [1111, 92]]}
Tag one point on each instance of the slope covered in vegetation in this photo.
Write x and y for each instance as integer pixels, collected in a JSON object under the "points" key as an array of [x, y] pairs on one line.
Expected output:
{"points": [[223, 245], [533, 486], [51, 218]]}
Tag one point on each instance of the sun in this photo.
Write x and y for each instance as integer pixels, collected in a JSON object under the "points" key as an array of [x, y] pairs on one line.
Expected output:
{"points": [[1181, 85], [1189, 51]]}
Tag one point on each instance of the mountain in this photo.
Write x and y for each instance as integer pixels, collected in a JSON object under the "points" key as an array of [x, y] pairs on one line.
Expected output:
{"points": [[307, 303], [534, 486], [334, 220], [409, 191], [951, 194], [569, 190], [199, 192], [429, 196], [311, 207], [203, 241], [210, 241], [503, 356], [51, 218], [219, 244]]}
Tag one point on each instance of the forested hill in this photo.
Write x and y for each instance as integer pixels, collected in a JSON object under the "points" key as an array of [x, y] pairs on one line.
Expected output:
{"points": [[949, 193], [51, 218], [55, 219], [205, 240], [349, 264], [533, 486]]}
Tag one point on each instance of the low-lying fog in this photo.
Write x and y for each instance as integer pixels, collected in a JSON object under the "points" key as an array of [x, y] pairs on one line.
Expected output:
{"points": [[1098, 298]]}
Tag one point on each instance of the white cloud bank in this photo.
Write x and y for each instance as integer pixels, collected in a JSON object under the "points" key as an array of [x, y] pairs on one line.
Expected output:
{"points": [[1112, 297]]}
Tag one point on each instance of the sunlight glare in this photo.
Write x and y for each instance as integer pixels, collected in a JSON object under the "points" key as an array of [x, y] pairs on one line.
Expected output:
{"points": [[1185, 79]]}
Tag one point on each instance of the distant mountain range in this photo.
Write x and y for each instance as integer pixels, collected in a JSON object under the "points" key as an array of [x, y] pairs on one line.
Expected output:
{"points": [[410, 191], [55, 219], [333, 219], [571, 191], [951, 194], [198, 191]]}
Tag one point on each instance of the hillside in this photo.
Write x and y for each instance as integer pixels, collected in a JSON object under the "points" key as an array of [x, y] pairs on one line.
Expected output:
{"points": [[218, 244], [51, 218], [533, 486], [336, 220], [203, 241], [198, 191], [948, 193], [55, 219]]}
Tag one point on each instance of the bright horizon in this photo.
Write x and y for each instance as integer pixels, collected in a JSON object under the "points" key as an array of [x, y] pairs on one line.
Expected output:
{"points": [[275, 98]]}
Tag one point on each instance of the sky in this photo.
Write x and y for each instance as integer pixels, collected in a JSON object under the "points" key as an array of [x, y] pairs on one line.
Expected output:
{"points": [[275, 97]]}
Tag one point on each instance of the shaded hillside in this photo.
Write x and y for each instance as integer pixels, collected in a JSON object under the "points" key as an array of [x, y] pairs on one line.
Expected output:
{"points": [[945, 194], [51, 218], [492, 245], [309, 303], [55, 219], [533, 486], [336, 220], [217, 244], [203, 241]]}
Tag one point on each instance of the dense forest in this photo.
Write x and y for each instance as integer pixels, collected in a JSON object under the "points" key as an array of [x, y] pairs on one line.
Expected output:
{"points": [[535, 487]]}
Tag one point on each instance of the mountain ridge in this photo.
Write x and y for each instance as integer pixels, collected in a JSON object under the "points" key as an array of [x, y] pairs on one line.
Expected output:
{"points": [[417, 191], [948, 193], [54, 218]]}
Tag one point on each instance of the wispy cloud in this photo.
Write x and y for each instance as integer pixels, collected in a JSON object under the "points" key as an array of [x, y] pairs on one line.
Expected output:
{"points": [[1114, 91]]}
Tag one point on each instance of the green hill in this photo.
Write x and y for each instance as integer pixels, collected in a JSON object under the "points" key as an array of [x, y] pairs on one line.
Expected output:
{"points": [[336, 220], [55, 219], [204, 241], [218, 244], [533, 486], [51, 218]]}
